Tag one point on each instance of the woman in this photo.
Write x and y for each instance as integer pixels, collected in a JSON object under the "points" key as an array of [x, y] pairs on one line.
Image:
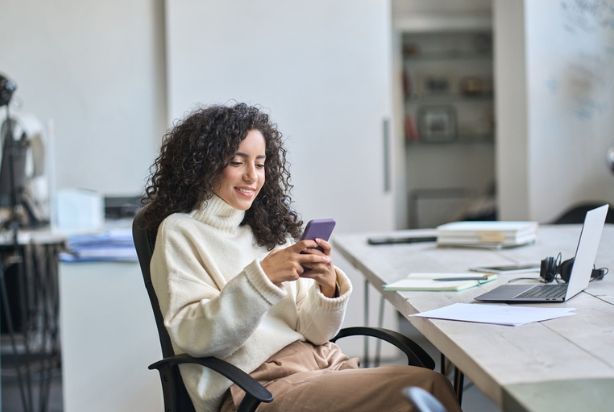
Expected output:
{"points": [[232, 283]]}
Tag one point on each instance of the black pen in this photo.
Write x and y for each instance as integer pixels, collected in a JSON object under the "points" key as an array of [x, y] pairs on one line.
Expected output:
{"points": [[397, 240]]}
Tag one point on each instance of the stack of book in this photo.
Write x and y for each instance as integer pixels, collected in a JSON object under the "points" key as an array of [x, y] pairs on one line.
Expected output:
{"points": [[493, 234]]}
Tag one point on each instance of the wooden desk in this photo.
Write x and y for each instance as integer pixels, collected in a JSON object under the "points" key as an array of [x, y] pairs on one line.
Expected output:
{"points": [[494, 357]]}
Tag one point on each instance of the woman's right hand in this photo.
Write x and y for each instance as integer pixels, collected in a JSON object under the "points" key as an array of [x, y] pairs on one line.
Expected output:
{"points": [[286, 264]]}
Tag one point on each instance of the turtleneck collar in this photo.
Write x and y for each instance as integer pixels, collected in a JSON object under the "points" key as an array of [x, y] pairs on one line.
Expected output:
{"points": [[219, 214]]}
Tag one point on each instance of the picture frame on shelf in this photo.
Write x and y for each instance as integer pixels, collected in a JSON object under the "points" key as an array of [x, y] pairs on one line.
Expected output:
{"points": [[475, 86], [437, 123], [436, 85], [433, 85]]}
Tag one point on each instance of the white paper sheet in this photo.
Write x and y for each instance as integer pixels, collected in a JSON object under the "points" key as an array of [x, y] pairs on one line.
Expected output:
{"points": [[509, 315]]}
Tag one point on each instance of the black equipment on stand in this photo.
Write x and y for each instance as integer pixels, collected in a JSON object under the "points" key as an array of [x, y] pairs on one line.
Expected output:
{"points": [[28, 277], [8, 180]]}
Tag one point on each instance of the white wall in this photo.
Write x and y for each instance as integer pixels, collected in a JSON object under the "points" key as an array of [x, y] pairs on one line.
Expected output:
{"points": [[323, 72], [555, 98], [96, 69], [570, 55], [510, 110]]}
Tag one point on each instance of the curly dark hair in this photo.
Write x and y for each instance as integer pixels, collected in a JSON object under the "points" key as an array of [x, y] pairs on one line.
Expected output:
{"points": [[194, 153]]}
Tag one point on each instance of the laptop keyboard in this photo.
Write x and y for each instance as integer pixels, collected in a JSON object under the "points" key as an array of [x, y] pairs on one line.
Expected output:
{"points": [[545, 291]]}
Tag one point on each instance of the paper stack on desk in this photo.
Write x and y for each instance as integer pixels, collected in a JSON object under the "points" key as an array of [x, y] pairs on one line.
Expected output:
{"points": [[498, 314], [487, 234], [445, 282]]}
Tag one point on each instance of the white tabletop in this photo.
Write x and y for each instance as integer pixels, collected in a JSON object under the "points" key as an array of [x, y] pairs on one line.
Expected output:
{"points": [[29, 236], [52, 235], [492, 356]]}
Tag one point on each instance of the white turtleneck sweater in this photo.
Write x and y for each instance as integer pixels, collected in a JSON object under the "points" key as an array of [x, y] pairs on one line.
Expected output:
{"points": [[217, 301]]}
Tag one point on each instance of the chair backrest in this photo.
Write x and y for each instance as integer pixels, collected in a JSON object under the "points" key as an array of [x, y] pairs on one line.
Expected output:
{"points": [[423, 401], [577, 212], [176, 397]]}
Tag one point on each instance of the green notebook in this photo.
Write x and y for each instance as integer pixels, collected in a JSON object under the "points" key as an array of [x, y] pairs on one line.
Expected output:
{"points": [[445, 282]]}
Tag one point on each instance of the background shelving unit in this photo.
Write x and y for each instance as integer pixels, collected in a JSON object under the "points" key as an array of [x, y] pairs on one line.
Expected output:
{"points": [[449, 124]]}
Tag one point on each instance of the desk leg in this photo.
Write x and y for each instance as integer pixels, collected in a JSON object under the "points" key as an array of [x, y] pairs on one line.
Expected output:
{"points": [[28, 310], [44, 268], [459, 377], [380, 324], [25, 400], [365, 355], [52, 252], [442, 365]]}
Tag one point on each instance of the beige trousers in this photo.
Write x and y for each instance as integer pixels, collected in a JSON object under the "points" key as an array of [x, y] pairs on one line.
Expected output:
{"points": [[303, 377]]}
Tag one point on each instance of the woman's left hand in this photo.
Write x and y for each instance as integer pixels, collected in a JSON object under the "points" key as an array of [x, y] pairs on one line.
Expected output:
{"points": [[323, 273]]}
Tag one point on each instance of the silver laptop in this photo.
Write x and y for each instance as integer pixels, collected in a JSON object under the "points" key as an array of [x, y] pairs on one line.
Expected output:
{"points": [[580, 272]]}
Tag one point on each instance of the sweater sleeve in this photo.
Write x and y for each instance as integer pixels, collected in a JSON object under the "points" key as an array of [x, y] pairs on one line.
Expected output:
{"points": [[201, 318], [320, 317]]}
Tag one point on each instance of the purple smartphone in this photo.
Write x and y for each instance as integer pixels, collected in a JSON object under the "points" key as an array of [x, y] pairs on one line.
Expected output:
{"points": [[319, 228]]}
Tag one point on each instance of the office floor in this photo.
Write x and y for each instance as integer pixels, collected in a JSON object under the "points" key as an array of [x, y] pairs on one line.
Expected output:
{"points": [[11, 395]]}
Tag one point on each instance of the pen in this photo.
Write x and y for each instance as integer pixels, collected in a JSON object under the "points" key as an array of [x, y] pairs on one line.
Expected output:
{"points": [[465, 278], [395, 240]]}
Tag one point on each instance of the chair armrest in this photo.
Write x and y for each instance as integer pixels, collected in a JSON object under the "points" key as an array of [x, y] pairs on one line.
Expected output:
{"points": [[252, 388], [416, 356]]}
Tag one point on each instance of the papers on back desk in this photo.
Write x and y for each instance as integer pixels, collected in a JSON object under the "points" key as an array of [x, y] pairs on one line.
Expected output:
{"points": [[497, 314], [114, 245]]}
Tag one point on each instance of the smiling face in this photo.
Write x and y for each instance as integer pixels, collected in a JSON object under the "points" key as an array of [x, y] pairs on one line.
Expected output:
{"points": [[243, 176]]}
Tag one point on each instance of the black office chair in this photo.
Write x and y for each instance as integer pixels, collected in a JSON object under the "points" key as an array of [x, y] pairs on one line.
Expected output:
{"points": [[176, 398], [422, 401], [576, 213]]}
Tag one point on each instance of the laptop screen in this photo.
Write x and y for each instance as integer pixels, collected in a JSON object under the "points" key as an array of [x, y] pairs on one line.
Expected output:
{"points": [[586, 251]]}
